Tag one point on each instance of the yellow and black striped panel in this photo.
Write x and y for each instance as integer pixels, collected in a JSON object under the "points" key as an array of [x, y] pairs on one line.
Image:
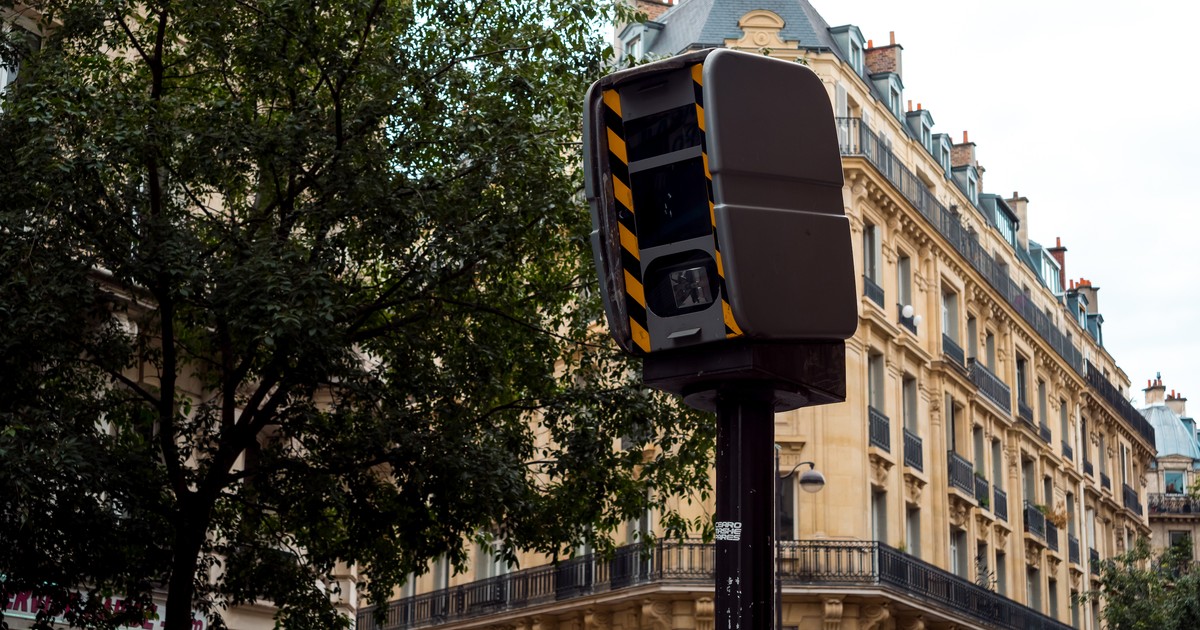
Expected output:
{"points": [[731, 327], [618, 164]]}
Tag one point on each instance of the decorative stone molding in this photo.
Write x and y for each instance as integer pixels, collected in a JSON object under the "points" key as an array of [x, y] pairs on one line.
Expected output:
{"points": [[960, 511], [596, 620], [705, 614], [656, 614], [761, 31], [1052, 564], [983, 521], [833, 612], [877, 617], [880, 469], [1033, 553], [913, 622], [1001, 536], [1076, 577], [913, 486]]}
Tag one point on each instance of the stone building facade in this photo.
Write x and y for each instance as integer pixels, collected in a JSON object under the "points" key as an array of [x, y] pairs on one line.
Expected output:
{"points": [[1173, 481]]}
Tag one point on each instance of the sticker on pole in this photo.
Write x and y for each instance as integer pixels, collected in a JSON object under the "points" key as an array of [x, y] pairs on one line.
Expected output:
{"points": [[729, 530]]}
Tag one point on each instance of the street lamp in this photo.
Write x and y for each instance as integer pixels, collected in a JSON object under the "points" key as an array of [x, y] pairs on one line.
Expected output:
{"points": [[811, 481]]}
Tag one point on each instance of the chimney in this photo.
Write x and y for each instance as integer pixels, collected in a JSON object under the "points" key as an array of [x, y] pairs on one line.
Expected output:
{"points": [[1177, 404], [653, 8], [1085, 287], [1020, 207], [1060, 254], [963, 154], [1154, 393], [884, 58]]}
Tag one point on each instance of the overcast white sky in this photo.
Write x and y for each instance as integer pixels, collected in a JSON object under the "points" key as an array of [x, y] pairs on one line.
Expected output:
{"points": [[1089, 109]]}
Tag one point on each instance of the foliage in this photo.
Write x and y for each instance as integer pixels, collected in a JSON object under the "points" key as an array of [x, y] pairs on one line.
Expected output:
{"points": [[290, 286], [1142, 591]]}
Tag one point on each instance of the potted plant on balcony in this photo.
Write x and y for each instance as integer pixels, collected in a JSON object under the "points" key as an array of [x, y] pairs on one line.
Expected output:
{"points": [[1058, 515]]}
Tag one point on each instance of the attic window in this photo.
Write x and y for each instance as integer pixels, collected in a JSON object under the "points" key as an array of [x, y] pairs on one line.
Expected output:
{"points": [[633, 47], [973, 188], [856, 56], [927, 137], [894, 102]]}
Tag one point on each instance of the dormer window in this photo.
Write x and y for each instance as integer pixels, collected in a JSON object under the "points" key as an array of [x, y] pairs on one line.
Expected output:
{"points": [[856, 57], [927, 137], [633, 48], [851, 41], [894, 102], [973, 187]]}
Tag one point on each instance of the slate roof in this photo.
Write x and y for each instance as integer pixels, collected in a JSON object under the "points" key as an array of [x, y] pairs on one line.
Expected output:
{"points": [[1171, 435], [696, 24]]}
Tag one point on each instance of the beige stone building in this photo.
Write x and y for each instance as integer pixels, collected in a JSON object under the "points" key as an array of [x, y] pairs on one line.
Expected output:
{"points": [[986, 457], [1174, 475]]}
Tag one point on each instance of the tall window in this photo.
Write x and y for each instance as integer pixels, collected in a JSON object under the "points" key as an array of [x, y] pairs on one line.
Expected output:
{"points": [[1033, 586], [951, 424], [989, 348], [912, 533], [977, 440], [950, 314], [904, 280], [1052, 598], [1048, 492], [787, 508], [1001, 572], [1028, 481], [909, 391], [1071, 514], [1064, 422], [1022, 379], [875, 396], [879, 515], [871, 252], [1124, 464], [1083, 439], [972, 337], [1041, 391], [1173, 482], [958, 552], [997, 464], [856, 56]]}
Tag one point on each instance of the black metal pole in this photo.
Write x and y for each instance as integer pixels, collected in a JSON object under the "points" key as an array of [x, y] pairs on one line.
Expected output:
{"points": [[745, 507]]}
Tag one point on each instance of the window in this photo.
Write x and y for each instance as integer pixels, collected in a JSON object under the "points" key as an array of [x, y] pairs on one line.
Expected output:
{"points": [[1083, 443], [972, 337], [958, 552], [950, 314], [1027, 481], [633, 47], [909, 391], [1074, 609], [904, 280], [1124, 464], [875, 396], [1022, 379], [441, 573], [1173, 482], [1006, 227], [489, 563], [977, 438], [951, 424], [972, 187], [1178, 537], [912, 533], [989, 348], [983, 576], [639, 528], [879, 515], [896, 106], [787, 508], [1033, 586], [1041, 392], [997, 464], [1001, 572], [1048, 492], [1063, 422], [1052, 598], [1071, 514], [871, 252], [856, 56]]}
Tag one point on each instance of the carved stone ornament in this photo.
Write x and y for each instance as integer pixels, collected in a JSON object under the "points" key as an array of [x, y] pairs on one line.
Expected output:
{"points": [[880, 468], [704, 614], [983, 519], [1001, 536], [833, 612], [913, 485], [1052, 563], [1076, 578], [914, 622], [596, 620], [877, 617], [1033, 553], [960, 511], [656, 614]]}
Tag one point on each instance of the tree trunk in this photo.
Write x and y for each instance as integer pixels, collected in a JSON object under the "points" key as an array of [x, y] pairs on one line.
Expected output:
{"points": [[189, 539]]}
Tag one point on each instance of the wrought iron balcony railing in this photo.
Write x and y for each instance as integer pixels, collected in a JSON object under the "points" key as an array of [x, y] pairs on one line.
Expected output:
{"points": [[1035, 521], [981, 490], [1131, 499], [1160, 503], [857, 139], [1068, 452], [961, 475], [1094, 561], [845, 564], [1000, 504], [912, 451], [1051, 536], [879, 429], [1105, 482], [1025, 413], [1087, 468], [1112, 396], [1072, 549], [953, 351], [1044, 431], [872, 290], [995, 389]]}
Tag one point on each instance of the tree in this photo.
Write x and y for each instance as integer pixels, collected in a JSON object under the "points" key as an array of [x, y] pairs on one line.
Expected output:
{"points": [[287, 286], [1140, 590]]}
